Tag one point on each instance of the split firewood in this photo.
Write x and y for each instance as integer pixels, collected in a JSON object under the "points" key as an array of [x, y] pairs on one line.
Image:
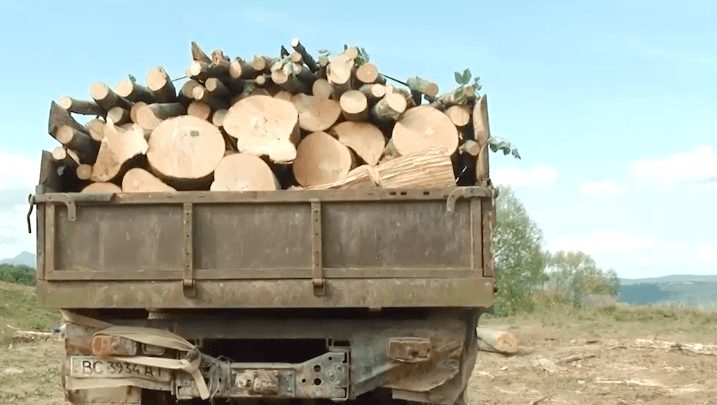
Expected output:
{"points": [[60, 117], [78, 141], [80, 106], [202, 94], [422, 86], [240, 69], [119, 151], [264, 126], [198, 54], [320, 158], [422, 128], [106, 98], [243, 172], [340, 73], [389, 108], [184, 151], [459, 114], [101, 188], [365, 139], [315, 113], [321, 88], [150, 115], [118, 115], [481, 128], [83, 171], [200, 110], [161, 85], [134, 92], [306, 56], [373, 92], [138, 180], [367, 73], [498, 341], [354, 105]]}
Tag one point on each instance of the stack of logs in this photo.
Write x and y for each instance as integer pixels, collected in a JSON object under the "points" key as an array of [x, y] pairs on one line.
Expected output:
{"points": [[292, 122]]}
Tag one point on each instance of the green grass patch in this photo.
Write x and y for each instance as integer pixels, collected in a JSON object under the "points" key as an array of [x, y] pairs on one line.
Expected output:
{"points": [[19, 309]]}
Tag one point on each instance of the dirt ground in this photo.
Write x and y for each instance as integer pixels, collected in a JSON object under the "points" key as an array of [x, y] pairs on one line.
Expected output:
{"points": [[614, 369]]}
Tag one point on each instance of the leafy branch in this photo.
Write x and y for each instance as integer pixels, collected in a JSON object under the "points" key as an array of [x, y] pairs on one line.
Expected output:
{"points": [[504, 146]]}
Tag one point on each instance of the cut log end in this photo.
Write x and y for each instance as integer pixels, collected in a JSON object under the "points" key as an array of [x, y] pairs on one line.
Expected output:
{"points": [[316, 113], [460, 115], [422, 128], [354, 105], [138, 180], [363, 138], [243, 172], [367, 73], [320, 158], [101, 188]]}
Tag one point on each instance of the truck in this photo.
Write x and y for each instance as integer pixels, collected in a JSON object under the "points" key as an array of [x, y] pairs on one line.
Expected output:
{"points": [[366, 295]]}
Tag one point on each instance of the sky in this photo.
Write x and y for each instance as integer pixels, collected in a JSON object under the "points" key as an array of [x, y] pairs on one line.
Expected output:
{"points": [[612, 104]]}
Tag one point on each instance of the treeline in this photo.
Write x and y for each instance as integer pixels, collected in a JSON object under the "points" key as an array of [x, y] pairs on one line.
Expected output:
{"points": [[527, 274], [17, 274]]}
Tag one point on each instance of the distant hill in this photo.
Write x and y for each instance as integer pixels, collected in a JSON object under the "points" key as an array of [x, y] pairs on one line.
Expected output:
{"points": [[25, 258], [688, 290]]}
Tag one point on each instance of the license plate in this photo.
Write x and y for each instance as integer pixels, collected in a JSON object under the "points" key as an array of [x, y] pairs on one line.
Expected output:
{"points": [[94, 367]]}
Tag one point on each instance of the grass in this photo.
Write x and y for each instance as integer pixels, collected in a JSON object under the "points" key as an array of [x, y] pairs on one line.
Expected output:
{"points": [[19, 309]]}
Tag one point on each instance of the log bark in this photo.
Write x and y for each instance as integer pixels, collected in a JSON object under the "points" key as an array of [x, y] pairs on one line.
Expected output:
{"points": [[202, 94], [106, 98], [216, 88], [367, 73], [151, 115], [365, 139], [240, 69], [289, 82], [339, 73], [459, 114], [101, 188], [243, 172], [354, 105], [59, 117], [79, 141], [423, 128], [200, 110], [83, 171], [306, 56], [373, 92], [389, 108], [497, 341], [118, 115], [119, 151], [198, 54], [161, 85], [184, 151], [481, 129], [201, 71], [422, 86], [138, 180], [80, 106], [264, 126], [134, 92], [321, 88], [320, 158], [690, 348], [315, 113]]}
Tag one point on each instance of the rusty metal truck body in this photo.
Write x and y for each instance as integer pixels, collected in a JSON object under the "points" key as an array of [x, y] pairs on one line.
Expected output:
{"points": [[339, 295]]}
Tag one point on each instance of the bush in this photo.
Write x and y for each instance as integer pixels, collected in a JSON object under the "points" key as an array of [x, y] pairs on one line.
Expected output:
{"points": [[17, 274]]}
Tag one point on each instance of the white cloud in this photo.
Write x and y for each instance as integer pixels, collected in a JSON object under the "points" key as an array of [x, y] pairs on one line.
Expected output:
{"points": [[707, 254], [602, 188], [13, 230], [697, 166], [515, 177], [603, 241], [17, 172]]}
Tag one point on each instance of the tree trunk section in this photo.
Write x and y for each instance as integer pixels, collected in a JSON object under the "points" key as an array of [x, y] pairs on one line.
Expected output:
{"points": [[198, 54], [422, 86], [101, 188], [497, 341], [200, 110], [218, 118], [289, 82], [59, 117], [261, 63], [78, 141], [239, 69], [320, 158], [389, 108], [106, 98], [470, 147], [138, 180], [118, 115], [65, 157], [305, 55], [83, 171], [134, 92], [339, 73], [134, 110], [243, 172], [151, 115], [459, 114], [283, 95], [161, 85], [481, 128], [365, 139], [367, 73], [354, 105], [119, 151], [187, 89], [423, 128], [316, 114], [264, 126], [373, 92], [321, 88], [95, 128], [202, 94], [184, 151], [80, 106], [216, 88]]}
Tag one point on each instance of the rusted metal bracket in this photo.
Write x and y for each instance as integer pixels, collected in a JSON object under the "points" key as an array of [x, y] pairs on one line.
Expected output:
{"points": [[317, 267], [461, 192], [71, 200], [188, 281]]}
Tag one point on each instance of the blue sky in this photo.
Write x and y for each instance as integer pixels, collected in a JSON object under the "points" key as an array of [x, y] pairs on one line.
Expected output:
{"points": [[613, 104]]}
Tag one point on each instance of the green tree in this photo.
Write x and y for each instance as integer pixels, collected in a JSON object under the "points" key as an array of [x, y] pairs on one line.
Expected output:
{"points": [[519, 258], [575, 275], [17, 274]]}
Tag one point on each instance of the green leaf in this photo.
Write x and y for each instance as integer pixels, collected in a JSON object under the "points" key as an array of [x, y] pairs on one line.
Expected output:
{"points": [[493, 147], [466, 76], [323, 51], [458, 77], [460, 93], [516, 154], [365, 54]]}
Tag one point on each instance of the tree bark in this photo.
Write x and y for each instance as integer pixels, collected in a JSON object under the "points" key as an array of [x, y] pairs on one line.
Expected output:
{"points": [[200, 110], [365, 139], [315, 113], [80, 142], [264, 126], [101, 188], [150, 115], [183, 152], [354, 105], [459, 114], [198, 54], [80, 106], [138, 180], [119, 151], [389, 108], [239, 69], [106, 98], [320, 158], [321, 88], [118, 115], [161, 85], [481, 128], [202, 94], [134, 92], [422, 128], [59, 117], [497, 341], [216, 88], [306, 56], [243, 172]]}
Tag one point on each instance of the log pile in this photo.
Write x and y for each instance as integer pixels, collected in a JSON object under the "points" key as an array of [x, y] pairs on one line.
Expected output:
{"points": [[293, 121]]}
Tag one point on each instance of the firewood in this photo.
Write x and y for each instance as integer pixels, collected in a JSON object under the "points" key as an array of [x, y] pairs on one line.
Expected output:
{"points": [[261, 63], [422, 86], [216, 88], [218, 118], [264, 126], [320, 158], [198, 54], [200, 110], [150, 115], [340, 73], [106, 98], [321, 88], [422, 128], [481, 129], [365, 139], [138, 180], [134, 92], [367, 73], [306, 56], [315, 113], [354, 105], [119, 151], [101, 188], [83, 171], [373, 92], [79, 141], [118, 115], [389, 108], [161, 85], [80, 106], [240, 69], [497, 341], [202, 94], [95, 128], [134, 110], [470, 147], [243, 172], [184, 151], [459, 114]]}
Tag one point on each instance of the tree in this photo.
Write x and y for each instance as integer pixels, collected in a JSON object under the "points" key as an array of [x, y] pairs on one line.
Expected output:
{"points": [[519, 259], [17, 274], [575, 275]]}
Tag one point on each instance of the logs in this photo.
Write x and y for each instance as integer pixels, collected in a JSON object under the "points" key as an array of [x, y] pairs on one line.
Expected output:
{"points": [[498, 341], [354, 105], [365, 139], [118, 152], [316, 113], [423, 128], [320, 159], [243, 172], [138, 180]]}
